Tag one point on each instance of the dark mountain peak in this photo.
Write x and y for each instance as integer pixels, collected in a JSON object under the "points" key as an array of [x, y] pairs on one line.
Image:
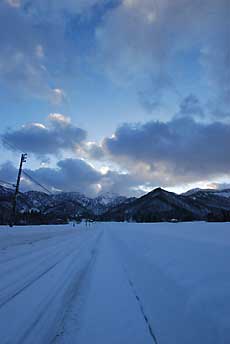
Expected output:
{"points": [[158, 188], [158, 192]]}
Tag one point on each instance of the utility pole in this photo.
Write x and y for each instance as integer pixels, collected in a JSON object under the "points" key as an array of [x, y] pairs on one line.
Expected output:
{"points": [[23, 159]]}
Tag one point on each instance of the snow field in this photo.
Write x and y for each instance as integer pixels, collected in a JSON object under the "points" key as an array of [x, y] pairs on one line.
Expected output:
{"points": [[115, 283]]}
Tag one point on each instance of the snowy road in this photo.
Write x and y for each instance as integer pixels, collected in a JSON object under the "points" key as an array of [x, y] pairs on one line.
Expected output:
{"points": [[115, 283]]}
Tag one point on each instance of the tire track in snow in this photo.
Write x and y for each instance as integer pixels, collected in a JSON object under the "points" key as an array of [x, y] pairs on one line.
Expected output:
{"points": [[37, 278], [57, 284], [24, 241], [33, 244], [108, 309], [43, 273], [58, 290], [38, 256], [141, 308], [73, 300], [140, 304]]}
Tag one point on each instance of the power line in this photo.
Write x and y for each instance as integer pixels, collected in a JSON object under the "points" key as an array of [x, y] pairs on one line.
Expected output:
{"points": [[15, 147], [36, 182], [28, 176], [31, 178], [6, 183], [11, 145], [25, 199]]}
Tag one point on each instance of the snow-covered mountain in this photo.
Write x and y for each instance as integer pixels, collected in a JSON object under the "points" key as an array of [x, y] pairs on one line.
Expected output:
{"points": [[97, 205], [157, 205], [108, 199], [222, 193], [105, 201], [71, 203], [191, 192], [161, 205], [197, 191]]}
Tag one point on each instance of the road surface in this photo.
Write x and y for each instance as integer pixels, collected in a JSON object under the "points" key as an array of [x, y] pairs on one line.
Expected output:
{"points": [[115, 283]]}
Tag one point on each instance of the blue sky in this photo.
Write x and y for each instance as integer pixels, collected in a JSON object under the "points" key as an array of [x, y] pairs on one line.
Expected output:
{"points": [[147, 81]]}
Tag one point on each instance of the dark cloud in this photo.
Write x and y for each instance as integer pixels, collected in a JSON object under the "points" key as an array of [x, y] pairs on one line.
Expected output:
{"points": [[153, 93], [191, 107], [60, 134], [73, 175], [78, 175], [177, 151], [8, 172], [124, 184], [92, 150], [70, 175]]}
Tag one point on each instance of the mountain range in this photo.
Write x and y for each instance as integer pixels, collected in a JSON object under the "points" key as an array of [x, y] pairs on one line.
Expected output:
{"points": [[161, 205], [157, 205]]}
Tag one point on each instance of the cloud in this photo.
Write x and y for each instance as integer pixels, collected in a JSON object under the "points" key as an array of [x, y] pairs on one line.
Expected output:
{"points": [[144, 43], [32, 66], [215, 59], [73, 175], [58, 7], [156, 46], [181, 150], [131, 30], [91, 150], [218, 186], [146, 155], [43, 139], [152, 94], [175, 152], [57, 96], [191, 107], [78, 175], [149, 47], [42, 63], [57, 119], [125, 184], [8, 172], [14, 3], [70, 175]]}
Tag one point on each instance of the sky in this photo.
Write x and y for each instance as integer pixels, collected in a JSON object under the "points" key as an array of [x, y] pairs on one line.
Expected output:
{"points": [[115, 95]]}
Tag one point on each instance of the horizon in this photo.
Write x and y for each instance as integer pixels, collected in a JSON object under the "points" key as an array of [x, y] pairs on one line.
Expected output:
{"points": [[115, 96], [9, 187]]}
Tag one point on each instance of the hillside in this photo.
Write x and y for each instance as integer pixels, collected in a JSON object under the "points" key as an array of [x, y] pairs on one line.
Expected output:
{"points": [[161, 205], [156, 206]]}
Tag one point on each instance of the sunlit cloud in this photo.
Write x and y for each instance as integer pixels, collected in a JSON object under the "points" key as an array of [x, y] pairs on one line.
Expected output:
{"points": [[14, 3]]}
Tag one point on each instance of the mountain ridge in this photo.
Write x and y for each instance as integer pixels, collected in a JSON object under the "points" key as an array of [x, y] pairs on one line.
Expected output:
{"points": [[157, 205]]}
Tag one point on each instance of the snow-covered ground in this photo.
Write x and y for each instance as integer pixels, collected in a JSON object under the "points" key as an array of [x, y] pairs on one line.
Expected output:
{"points": [[114, 283]]}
